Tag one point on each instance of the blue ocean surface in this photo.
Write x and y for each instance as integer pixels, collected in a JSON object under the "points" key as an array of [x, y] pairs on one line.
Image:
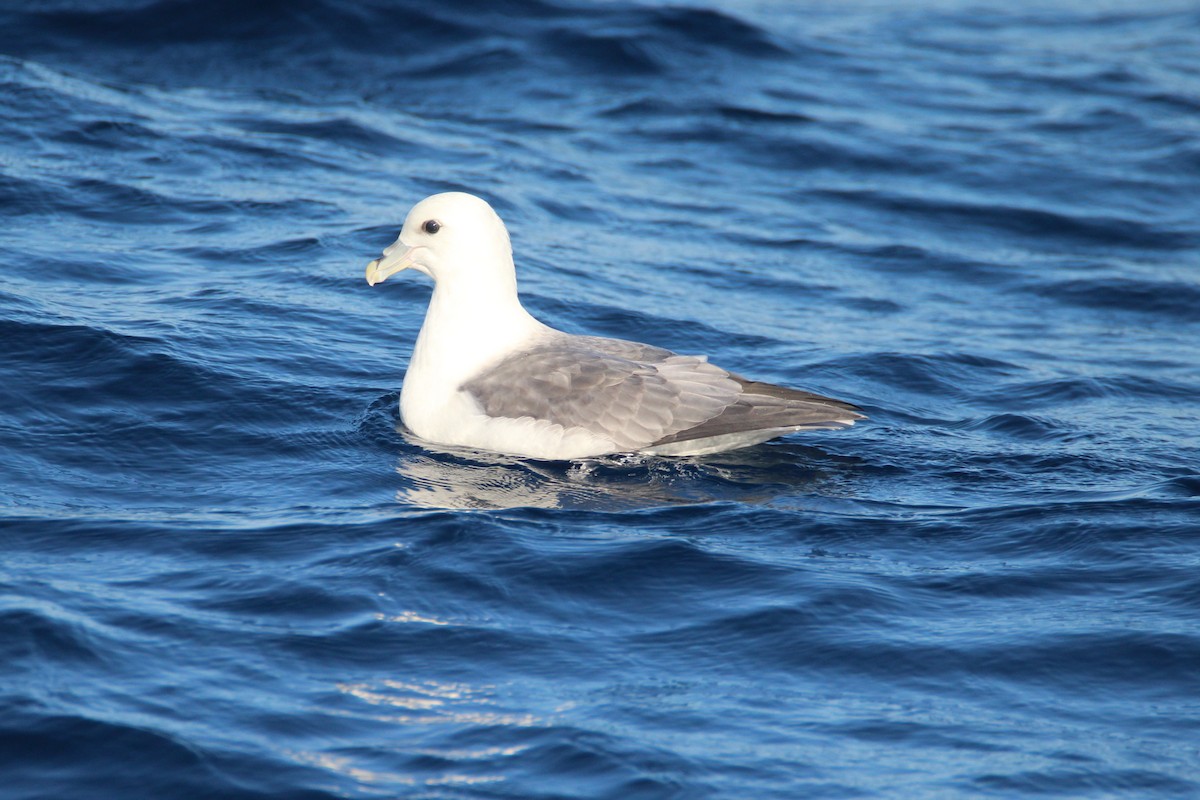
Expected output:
{"points": [[228, 571]]}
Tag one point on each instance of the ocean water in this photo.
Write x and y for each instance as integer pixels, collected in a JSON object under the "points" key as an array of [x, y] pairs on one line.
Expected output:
{"points": [[226, 571]]}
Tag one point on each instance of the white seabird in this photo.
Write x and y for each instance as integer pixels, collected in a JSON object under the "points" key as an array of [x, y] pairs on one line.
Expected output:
{"points": [[485, 374]]}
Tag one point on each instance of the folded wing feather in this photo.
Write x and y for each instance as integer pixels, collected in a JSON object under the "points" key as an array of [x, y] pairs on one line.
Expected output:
{"points": [[640, 396]]}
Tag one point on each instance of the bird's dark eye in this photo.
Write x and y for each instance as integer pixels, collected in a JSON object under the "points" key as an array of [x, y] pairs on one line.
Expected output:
{"points": [[431, 226]]}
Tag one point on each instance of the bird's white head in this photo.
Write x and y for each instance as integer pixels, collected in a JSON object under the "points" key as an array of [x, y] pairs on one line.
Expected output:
{"points": [[450, 237]]}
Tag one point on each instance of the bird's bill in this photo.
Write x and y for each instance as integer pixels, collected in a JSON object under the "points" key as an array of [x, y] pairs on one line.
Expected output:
{"points": [[396, 258]]}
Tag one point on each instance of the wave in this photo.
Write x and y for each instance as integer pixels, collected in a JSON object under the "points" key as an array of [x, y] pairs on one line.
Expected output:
{"points": [[75, 753], [1084, 229], [615, 39], [1176, 300]]}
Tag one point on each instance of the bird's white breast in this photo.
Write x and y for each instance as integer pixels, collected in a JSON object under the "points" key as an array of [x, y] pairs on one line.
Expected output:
{"points": [[457, 341]]}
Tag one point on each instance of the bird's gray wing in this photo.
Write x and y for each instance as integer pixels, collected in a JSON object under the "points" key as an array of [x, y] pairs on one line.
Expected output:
{"points": [[765, 406], [623, 348], [634, 395]]}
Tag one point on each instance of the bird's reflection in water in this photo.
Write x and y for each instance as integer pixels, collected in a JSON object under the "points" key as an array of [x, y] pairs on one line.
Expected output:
{"points": [[435, 476]]}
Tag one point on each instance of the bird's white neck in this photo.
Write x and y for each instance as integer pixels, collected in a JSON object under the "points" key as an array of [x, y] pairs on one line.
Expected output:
{"points": [[469, 324]]}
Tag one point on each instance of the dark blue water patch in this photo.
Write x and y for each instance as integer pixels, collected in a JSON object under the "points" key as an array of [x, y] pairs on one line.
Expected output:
{"points": [[116, 414], [621, 40], [1175, 161], [708, 27], [1176, 300], [1066, 391], [33, 101], [873, 305], [286, 602], [575, 213], [56, 637], [1086, 231], [1050, 782], [346, 132], [906, 260], [108, 201], [794, 149], [761, 279], [941, 377], [786, 639], [445, 66], [613, 54], [19, 197], [1106, 527], [641, 107], [75, 753], [645, 42], [753, 117], [104, 363], [1020, 426], [255, 154], [661, 574], [633, 41], [1187, 486], [192, 23], [116, 135], [305, 247]]}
